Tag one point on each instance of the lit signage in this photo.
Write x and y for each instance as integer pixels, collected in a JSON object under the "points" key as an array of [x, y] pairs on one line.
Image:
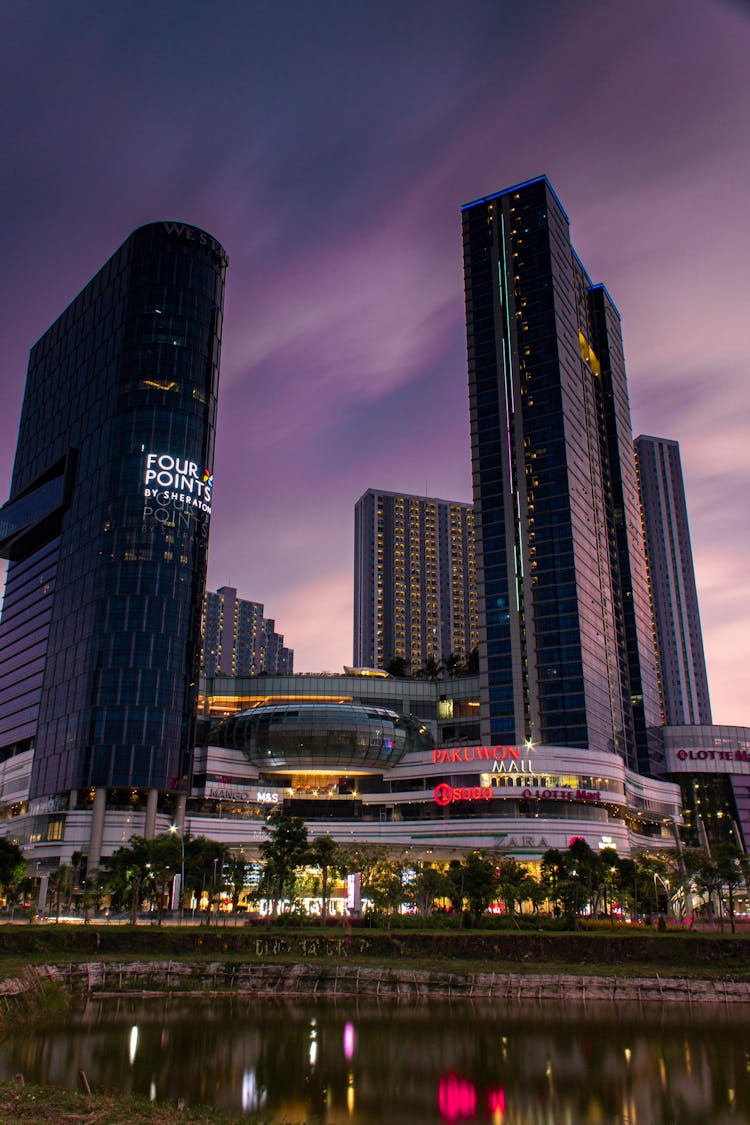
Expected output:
{"points": [[228, 793], [214, 792], [192, 234], [466, 754], [445, 794], [732, 760], [562, 794], [354, 892], [175, 481]]}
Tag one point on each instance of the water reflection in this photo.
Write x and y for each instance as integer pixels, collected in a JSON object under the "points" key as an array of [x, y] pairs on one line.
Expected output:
{"points": [[363, 1064]]}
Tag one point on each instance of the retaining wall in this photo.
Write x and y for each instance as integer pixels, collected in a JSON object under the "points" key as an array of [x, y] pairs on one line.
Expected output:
{"points": [[177, 978]]}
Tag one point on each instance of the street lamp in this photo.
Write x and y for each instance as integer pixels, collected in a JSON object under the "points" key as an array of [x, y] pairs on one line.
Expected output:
{"points": [[181, 836]]}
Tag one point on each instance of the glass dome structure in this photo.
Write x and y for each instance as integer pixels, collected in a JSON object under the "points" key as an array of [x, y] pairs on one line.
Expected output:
{"points": [[322, 736]]}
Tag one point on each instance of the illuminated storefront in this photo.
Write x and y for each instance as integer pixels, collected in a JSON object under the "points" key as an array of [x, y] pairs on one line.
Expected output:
{"points": [[369, 774]]}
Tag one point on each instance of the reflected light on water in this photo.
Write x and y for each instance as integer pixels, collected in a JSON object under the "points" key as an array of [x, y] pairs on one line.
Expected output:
{"points": [[295, 1061], [457, 1098], [252, 1097], [496, 1105]]}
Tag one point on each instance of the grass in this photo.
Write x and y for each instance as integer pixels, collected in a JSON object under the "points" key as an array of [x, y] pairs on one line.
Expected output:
{"points": [[19, 1102]]}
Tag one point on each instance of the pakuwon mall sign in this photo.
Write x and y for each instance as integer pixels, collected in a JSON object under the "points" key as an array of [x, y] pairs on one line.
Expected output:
{"points": [[178, 483]]}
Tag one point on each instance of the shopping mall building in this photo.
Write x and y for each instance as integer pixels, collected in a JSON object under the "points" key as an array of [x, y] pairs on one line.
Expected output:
{"points": [[367, 758]]}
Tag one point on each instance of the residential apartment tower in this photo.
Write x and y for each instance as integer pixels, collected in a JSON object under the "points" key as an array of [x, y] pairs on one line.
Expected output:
{"points": [[415, 595]]}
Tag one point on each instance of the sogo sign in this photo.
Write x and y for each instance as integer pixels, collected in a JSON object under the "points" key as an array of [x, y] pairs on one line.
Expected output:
{"points": [[444, 794]]}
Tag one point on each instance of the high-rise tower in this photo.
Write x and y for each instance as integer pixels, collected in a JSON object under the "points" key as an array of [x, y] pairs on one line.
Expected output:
{"points": [[414, 580], [682, 662], [107, 526], [566, 620], [238, 640]]}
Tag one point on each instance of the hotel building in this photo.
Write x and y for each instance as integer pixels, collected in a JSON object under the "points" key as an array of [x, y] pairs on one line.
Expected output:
{"points": [[106, 529]]}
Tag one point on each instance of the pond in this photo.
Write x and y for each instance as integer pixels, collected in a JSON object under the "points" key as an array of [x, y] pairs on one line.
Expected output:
{"points": [[364, 1063]]}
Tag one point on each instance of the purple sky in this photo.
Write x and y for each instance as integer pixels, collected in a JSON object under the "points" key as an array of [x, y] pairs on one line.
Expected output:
{"points": [[329, 147]]}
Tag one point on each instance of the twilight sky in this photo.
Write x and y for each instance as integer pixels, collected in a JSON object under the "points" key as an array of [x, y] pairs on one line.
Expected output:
{"points": [[329, 147]]}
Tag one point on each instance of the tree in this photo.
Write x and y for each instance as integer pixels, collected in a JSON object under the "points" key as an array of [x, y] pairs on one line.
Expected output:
{"points": [[472, 664], [479, 882], [361, 859], [283, 851], [454, 665], [554, 873], [127, 871], [144, 866], [397, 666], [61, 886], [323, 854], [731, 867], [164, 861], [432, 668], [512, 883], [204, 868], [12, 865], [234, 873], [430, 883], [385, 886], [708, 881]]}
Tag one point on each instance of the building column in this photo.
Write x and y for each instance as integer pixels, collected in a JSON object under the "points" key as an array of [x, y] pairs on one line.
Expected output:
{"points": [[149, 828], [179, 812], [97, 828]]}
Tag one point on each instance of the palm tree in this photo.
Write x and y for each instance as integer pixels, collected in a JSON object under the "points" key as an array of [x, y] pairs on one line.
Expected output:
{"points": [[454, 665], [397, 666]]}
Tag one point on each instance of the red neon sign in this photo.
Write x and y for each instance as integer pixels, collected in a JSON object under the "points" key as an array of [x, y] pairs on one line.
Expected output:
{"points": [[444, 794], [466, 754]]}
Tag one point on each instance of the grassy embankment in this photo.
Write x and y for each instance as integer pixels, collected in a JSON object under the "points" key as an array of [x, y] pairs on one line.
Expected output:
{"points": [[623, 951], [42, 1103]]}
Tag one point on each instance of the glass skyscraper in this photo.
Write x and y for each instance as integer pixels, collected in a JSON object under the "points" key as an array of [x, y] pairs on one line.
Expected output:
{"points": [[107, 525], [682, 663], [569, 653]]}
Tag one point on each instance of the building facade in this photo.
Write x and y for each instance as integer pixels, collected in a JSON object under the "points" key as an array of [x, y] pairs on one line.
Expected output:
{"points": [[682, 663], [415, 594], [567, 631], [238, 640], [106, 530]]}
